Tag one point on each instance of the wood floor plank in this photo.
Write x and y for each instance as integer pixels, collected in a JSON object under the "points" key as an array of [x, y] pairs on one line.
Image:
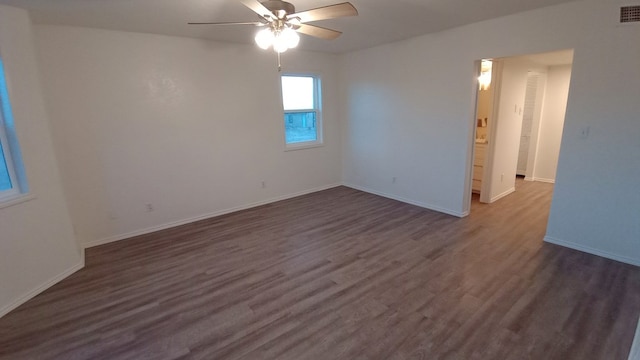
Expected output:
{"points": [[338, 274]]}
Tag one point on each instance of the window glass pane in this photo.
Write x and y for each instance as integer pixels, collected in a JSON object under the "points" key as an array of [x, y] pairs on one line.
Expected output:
{"points": [[12, 179], [300, 127], [5, 180], [297, 92]]}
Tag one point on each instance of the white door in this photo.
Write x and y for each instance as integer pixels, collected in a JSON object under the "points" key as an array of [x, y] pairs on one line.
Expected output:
{"points": [[527, 122]]}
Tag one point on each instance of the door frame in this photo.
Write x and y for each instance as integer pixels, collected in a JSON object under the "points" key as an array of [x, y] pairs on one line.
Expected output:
{"points": [[496, 83]]}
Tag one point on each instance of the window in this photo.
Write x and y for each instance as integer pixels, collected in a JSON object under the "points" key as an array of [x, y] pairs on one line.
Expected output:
{"points": [[12, 181], [301, 103]]}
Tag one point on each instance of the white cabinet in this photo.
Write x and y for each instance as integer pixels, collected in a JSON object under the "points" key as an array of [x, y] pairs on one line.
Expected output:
{"points": [[478, 166]]}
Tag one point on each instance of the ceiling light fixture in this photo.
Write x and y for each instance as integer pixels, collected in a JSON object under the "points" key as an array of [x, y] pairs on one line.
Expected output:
{"points": [[280, 39], [283, 23], [484, 80]]}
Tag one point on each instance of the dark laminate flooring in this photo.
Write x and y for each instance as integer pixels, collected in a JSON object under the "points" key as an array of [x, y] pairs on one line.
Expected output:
{"points": [[338, 274]]}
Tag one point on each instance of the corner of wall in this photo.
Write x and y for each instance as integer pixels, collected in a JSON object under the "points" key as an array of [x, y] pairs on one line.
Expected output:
{"points": [[44, 286], [591, 250]]}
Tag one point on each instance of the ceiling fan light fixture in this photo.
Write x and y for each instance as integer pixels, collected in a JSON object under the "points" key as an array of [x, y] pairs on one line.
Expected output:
{"points": [[282, 23], [290, 37], [279, 44], [281, 40], [264, 38]]}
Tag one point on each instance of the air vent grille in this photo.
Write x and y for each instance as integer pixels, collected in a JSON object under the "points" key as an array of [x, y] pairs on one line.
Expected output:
{"points": [[630, 14]]}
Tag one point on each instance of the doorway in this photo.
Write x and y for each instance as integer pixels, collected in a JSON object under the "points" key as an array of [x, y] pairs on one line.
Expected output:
{"points": [[519, 121]]}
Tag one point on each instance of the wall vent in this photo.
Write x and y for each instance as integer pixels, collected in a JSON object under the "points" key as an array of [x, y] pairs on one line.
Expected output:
{"points": [[630, 14]]}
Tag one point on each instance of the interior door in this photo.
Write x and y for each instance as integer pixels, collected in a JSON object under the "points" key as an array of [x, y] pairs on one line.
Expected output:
{"points": [[527, 122]]}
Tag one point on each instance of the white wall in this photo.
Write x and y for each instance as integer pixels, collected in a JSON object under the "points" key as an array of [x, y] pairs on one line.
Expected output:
{"points": [[192, 127], [410, 111], [551, 122], [505, 130], [37, 244], [596, 203], [409, 114]]}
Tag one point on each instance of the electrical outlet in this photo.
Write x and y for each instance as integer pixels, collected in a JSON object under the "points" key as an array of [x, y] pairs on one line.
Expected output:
{"points": [[149, 207], [263, 184], [502, 177], [393, 180]]}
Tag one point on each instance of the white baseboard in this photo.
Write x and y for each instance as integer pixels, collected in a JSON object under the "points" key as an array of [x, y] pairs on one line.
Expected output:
{"points": [[550, 181], [634, 354], [171, 224], [592, 251], [42, 287], [500, 196], [408, 201]]}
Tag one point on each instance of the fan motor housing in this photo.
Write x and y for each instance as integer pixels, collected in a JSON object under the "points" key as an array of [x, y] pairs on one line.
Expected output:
{"points": [[278, 7]]}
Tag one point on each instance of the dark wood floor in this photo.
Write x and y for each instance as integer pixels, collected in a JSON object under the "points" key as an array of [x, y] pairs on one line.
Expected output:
{"points": [[338, 274]]}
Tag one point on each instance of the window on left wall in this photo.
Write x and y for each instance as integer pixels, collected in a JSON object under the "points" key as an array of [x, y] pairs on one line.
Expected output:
{"points": [[12, 180]]}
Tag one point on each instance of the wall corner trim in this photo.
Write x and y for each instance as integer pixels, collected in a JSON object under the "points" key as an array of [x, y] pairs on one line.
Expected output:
{"points": [[459, 214], [500, 196], [592, 251], [550, 181], [42, 287]]}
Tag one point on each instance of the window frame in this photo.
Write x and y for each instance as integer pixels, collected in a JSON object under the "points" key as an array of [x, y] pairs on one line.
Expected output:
{"points": [[317, 109], [8, 160], [19, 190]]}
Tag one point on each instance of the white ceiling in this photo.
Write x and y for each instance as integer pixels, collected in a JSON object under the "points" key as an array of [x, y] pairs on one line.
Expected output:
{"points": [[379, 21]]}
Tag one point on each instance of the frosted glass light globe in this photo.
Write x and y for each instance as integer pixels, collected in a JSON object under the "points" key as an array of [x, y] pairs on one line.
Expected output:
{"points": [[290, 37], [264, 38], [280, 43]]}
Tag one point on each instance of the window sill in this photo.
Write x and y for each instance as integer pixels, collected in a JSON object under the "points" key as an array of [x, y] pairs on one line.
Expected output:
{"points": [[15, 200], [300, 146]]}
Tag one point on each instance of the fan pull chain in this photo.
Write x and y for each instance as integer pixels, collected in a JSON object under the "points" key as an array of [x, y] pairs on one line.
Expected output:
{"points": [[279, 64]]}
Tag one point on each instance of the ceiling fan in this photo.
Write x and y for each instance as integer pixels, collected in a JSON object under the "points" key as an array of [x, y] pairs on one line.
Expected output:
{"points": [[282, 23]]}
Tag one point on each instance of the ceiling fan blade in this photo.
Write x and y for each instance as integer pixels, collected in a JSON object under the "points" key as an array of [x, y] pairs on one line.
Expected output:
{"points": [[257, 8], [318, 31], [256, 23], [326, 12]]}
